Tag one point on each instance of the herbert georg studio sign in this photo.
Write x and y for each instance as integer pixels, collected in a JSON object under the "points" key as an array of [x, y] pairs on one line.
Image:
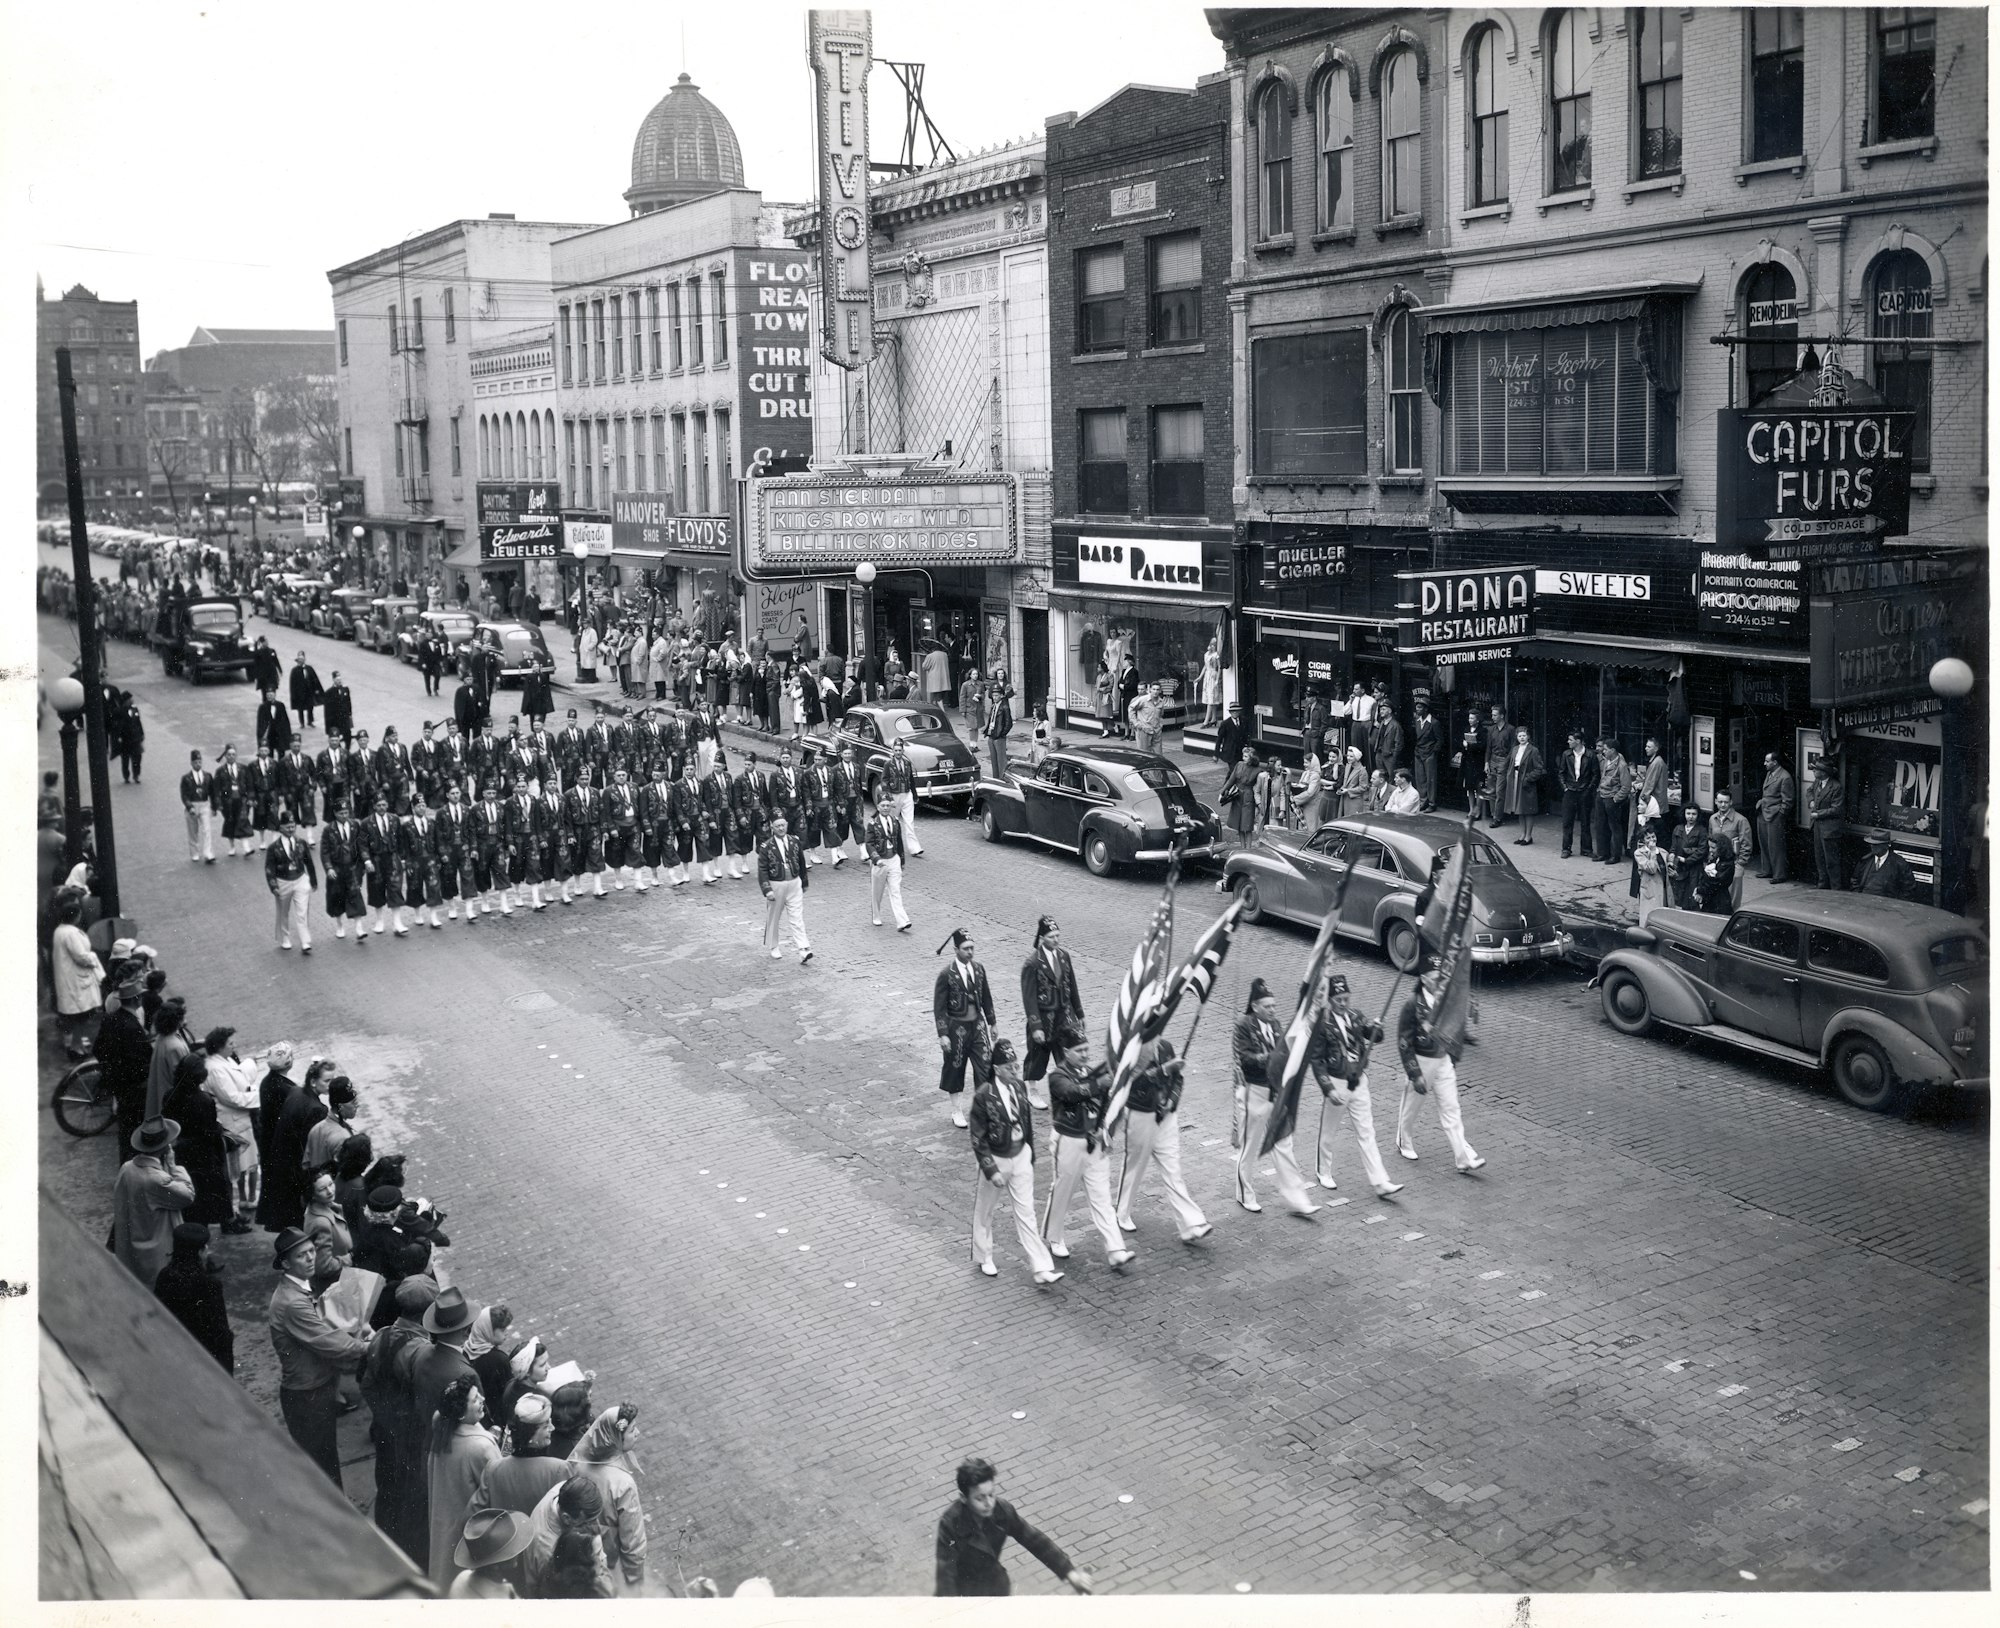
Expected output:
{"points": [[1490, 610], [1168, 564]]}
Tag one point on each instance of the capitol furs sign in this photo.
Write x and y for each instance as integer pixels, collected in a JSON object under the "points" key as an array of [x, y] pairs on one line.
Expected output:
{"points": [[1810, 481], [1489, 610], [1172, 564], [840, 50]]}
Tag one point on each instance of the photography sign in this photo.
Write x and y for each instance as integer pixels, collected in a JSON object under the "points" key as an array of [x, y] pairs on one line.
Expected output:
{"points": [[812, 526], [1811, 482], [1469, 615]]}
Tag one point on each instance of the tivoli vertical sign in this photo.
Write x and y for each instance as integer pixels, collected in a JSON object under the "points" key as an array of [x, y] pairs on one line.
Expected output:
{"points": [[839, 48]]}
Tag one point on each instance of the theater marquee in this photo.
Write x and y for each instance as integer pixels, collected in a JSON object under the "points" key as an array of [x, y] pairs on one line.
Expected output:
{"points": [[810, 526]]}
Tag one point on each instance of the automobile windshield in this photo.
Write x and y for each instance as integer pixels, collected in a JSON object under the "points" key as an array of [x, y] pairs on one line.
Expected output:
{"points": [[1155, 777], [1962, 952], [1483, 852], [918, 723], [213, 618]]}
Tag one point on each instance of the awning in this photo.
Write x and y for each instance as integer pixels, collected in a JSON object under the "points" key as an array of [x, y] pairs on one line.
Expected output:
{"points": [[653, 559], [1647, 655], [1619, 303], [465, 557], [1140, 605]]}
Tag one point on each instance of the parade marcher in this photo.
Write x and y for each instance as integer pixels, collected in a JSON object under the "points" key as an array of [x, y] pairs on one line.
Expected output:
{"points": [[360, 771], [274, 724], [129, 740], [882, 838], [198, 802], [656, 825], [712, 823], [815, 797], [844, 815], [1081, 1154], [265, 795], [453, 844], [781, 876], [1153, 1133], [307, 691], [551, 833], [486, 822], [293, 783], [384, 868], [1003, 1141], [622, 848], [1430, 1064], [524, 855], [899, 783], [238, 808], [684, 816], [418, 839], [339, 705], [394, 774], [784, 793], [1051, 1000], [1338, 1057], [424, 765], [343, 857], [962, 1009], [291, 875], [748, 815], [583, 816], [973, 1531], [1259, 1058]]}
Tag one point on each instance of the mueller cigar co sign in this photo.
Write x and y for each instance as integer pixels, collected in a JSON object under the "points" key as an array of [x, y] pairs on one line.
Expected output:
{"points": [[1466, 615], [1811, 482], [839, 47], [813, 526]]}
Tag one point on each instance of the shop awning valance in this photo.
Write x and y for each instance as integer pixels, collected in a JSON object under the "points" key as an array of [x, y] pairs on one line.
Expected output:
{"points": [[1598, 655], [465, 557], [1616, 304]]}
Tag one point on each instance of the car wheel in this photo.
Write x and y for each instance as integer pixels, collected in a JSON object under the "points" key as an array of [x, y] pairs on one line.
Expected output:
{"points": [[1096, 855], [1862, 1073], [875, 788], [1253, 899], [1625, 1002], [1402, 945], [989, 822]]}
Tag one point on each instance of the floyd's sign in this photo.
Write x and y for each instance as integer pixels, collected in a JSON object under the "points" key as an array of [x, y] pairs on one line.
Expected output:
{"points": [[1489, 610], [839, 48], [1807, 482]]}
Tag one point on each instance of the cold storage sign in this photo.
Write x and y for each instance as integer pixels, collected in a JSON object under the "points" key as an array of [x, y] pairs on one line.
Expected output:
{"points": [[1811, 482], [1481, 613]]}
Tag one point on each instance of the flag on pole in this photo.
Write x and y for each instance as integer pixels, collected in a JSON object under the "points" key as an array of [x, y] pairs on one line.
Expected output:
{"points": [[1138, 1018], [1196, 975], [1299, 1032], [1447, 1015]]}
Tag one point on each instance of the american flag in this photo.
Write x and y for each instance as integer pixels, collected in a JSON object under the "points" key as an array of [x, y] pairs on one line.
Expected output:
{"points": [[1140, 1013], [1454, 888], [1299, 1032], [1196, 975]]}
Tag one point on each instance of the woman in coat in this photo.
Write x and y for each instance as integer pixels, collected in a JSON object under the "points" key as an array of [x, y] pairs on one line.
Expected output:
{"points": [[1239, 795], [661, 656], [604, 1457], [1470, 762], [78, 977], [350, 1178], [1688, 852], [1307, 798], [1106, 688], [811, 714], [1353, 793], [586, 654], [1650, 868], [1520, 786], [461, 1452], [537, 699], [201, 1151], [193, 1293], [741, 677], [333, 1243], [1714, 878]]}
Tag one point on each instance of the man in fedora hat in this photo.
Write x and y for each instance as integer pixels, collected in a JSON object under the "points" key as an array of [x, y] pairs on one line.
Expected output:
{"points": [[426, 1371], [312, 1354], [147, 1200], [486, 1554], [1886, 873]]}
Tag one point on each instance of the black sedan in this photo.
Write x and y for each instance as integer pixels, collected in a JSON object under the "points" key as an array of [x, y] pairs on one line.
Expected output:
{"points": [[1113, 805], [942, 764]]}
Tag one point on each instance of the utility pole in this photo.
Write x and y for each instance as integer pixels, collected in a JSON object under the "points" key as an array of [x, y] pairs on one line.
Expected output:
{"points": [[86, 636]]}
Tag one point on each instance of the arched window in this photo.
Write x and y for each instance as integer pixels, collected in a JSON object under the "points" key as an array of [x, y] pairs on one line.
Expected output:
{"points": [[1403, 377], [1900, 308], [1402, 137], [1569, 104], [1333, 122], [535, 445], [1274, 147], [521, 446], [1771, 320], [1489, 120]]}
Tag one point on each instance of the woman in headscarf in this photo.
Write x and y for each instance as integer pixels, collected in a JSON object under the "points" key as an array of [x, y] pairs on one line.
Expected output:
{"points": [[525, 1365], [604, 1457], [1306, 799], [350, 1178], [489, 1348], [201, 1151], [461, 1452]]}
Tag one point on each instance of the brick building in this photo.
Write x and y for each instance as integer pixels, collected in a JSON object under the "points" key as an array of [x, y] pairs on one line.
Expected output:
{"points": [[103, 341], [1143, 431], [234, 374]]}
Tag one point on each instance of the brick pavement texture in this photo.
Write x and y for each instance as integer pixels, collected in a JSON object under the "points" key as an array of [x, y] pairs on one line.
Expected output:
{"points": [[673, 1156]]}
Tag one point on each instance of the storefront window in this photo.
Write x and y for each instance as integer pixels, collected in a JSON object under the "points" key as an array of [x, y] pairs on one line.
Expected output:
{"points": [[1166, 643], [1309, 404]]}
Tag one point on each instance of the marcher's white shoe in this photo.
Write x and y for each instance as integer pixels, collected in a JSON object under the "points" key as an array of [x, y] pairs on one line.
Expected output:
{"points": [[1198, 1234], [777, 955], [1408, 1153], [959, 1120], [1393, 1188], [1048, 1277], [1127, 1226], [1122, 1259], [1060, 1251], [988, 1269], [1476, 1164]]}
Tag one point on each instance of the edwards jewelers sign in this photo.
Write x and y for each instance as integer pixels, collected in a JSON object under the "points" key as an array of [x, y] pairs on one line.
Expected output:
{"points": [[808, 524], [1472, 614], [1811, 481]]}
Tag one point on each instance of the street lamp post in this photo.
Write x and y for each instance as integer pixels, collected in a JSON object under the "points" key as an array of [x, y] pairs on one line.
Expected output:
{"points": [[864, 574], [66, 696], [253, 519]]}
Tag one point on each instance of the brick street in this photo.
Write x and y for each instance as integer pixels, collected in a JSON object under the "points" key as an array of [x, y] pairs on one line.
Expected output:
{"points": [[1688, 1324]]}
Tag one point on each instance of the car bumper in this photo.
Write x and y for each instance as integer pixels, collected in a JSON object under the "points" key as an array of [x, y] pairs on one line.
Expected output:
{"points": [[1508, 954], [1201, 851], [956, 786]]}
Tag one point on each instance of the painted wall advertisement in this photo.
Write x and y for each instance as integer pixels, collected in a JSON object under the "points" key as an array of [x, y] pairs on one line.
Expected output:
{"points": [[1461, 616], [774, 342], [1811, 482]]}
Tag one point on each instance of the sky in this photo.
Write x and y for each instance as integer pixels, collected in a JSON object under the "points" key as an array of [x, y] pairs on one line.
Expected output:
{"points": [[213, 160]]}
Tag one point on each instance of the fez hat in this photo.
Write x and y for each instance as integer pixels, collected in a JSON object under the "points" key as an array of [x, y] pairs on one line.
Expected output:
{"points": [[1259, 990], [1336, 984], [1042, 926], [958, 936]]}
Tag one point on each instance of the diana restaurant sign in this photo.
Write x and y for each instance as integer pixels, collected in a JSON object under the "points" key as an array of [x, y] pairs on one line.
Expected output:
{"points": [[1811, 482], [1462, 616]]}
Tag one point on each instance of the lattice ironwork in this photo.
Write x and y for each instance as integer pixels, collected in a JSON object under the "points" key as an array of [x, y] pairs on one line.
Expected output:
{"points": [[929, 391]]}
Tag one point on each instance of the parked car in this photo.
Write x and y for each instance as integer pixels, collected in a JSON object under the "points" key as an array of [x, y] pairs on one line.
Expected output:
{"points": [[275, 594], [520, 648], [306, 598], [377, 631], [942, 765], [202, 638], [1294, 876], [1113, 805], [1879, 993], [337, 614], [453, 626]]}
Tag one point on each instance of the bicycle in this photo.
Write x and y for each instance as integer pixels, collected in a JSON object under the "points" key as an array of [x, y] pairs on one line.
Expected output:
{"points": [[83, 1104]]}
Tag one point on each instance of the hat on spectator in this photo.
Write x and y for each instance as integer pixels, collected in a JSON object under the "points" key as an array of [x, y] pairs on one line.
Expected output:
{"points": [[386, 1200], [284, 1244], [156, 1135], [532, 1410], [449, 1313], [492, 1536]]}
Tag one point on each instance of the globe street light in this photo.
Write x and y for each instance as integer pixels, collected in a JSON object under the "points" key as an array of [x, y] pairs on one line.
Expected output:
{"points": [[66, 696], [864, 574], [1951, 678]]}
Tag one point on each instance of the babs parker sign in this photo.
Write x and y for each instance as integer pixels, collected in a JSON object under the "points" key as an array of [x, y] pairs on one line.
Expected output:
{"points": [[1807, 482]]}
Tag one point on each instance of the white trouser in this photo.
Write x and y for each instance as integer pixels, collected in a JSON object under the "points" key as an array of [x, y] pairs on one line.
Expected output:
{"points": [[1442, 1078], [201, 831], [887, 877], [1075, 1163], [1361, 1116], [1291, 1184], [786, 909], [1158, 1140], [906, 814], [1019, 1171], [292, 899]]}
